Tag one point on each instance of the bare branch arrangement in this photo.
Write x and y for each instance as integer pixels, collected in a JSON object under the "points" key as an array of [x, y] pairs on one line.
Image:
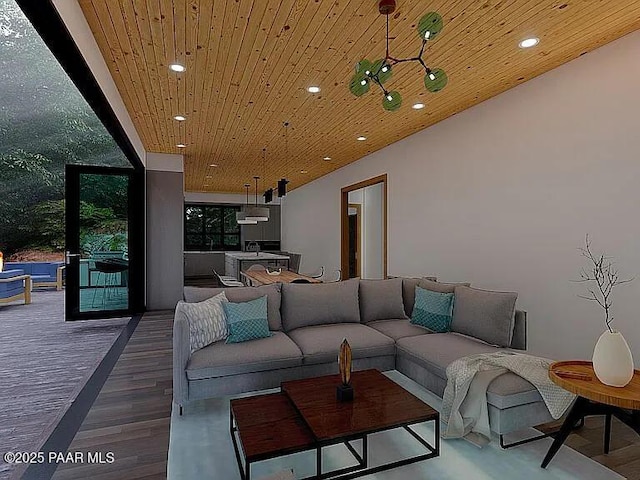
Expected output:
{"points": [[604, 274]]}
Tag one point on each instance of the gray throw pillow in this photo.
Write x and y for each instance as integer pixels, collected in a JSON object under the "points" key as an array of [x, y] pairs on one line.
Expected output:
{"points": [[441, 287], [317, 304], [241, 295], [483, 314], [381, 300], [207, 321]]}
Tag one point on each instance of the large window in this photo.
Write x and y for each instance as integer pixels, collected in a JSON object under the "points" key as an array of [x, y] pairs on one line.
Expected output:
{"points": [[211, 227]]}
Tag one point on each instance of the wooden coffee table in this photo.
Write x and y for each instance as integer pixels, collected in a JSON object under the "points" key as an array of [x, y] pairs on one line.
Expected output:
{"points": [[307, 416], [594, 398]]}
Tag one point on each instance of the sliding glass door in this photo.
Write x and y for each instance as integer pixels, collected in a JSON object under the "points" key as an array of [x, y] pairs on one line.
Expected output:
{"points": [[104, 242]]}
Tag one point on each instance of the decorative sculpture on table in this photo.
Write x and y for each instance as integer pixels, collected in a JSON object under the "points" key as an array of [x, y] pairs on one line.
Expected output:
{"points": [[345, 390], [612, 358]]}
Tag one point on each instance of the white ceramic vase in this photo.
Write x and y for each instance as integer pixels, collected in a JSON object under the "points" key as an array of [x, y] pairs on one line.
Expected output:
{"points": [[612, 360]]}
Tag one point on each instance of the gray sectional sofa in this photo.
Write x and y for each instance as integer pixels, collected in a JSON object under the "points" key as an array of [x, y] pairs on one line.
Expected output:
{"points": [[308, 324]]}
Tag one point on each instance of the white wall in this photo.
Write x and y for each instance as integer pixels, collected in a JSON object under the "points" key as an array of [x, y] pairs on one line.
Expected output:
{"points": [[74, 19], [502, 195], [165, 162]]}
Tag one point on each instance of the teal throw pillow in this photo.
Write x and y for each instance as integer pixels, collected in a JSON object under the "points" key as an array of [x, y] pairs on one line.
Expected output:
{"points": [[247, 320], [433, 310]]}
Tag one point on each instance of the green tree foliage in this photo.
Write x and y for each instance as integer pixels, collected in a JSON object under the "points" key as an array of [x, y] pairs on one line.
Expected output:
{"points": [[47, 218], [44, 125]]}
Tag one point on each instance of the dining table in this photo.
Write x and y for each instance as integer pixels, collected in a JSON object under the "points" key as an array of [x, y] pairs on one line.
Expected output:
{"points": [[262, 277]]}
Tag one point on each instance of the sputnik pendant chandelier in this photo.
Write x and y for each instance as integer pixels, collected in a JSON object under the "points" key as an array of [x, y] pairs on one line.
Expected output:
{"points": [[380, 71]]}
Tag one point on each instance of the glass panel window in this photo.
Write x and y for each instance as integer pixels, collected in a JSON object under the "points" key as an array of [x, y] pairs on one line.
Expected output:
{"points": [[193, 220], [211, 227]]}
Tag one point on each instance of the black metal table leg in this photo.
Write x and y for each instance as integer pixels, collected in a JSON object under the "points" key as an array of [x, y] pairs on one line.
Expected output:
{"points": [[365, 454], [578, 411], [607, 432], [318, 461]]}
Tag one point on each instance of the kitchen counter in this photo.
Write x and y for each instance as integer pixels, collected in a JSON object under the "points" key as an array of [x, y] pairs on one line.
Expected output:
{"points": [[256, 256], [203, 263], [236, 262]]}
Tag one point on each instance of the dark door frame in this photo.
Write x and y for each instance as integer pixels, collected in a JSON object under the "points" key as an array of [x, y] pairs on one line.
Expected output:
{"points": [[344, 221], [136, 232]]}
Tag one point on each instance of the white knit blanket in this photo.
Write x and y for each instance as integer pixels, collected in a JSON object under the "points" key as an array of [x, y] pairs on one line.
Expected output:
{"points": [[464, 406]]}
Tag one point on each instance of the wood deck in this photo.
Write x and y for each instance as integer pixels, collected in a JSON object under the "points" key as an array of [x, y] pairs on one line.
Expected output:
{"points": [[44, 364]]}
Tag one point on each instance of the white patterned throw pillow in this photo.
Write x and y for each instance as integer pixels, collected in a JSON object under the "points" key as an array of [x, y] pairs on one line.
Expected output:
{"points": [[207, 321]]}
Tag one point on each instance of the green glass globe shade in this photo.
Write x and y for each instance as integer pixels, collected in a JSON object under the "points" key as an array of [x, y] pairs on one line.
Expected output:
{"points": [[359, 84], [392, 101], [382, 69], [436, 80], [432, 23], [364, 66]]}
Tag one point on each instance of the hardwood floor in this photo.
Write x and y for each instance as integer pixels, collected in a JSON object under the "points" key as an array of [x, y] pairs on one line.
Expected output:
{"points": [[624, 457], [131, 417]]}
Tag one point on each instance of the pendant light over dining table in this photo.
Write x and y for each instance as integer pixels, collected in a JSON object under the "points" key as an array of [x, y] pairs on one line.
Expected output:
{"points": [[241, 216], [255, 212]]}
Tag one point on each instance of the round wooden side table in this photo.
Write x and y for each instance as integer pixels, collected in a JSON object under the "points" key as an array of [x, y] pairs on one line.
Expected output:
{"points": [[594, 398]]}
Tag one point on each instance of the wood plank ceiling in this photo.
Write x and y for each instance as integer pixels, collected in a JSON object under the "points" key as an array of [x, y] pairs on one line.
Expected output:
{"points": [[249, 63]]}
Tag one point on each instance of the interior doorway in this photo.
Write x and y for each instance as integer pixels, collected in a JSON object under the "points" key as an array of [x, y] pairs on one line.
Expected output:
{"points": [[364, 229], [355, 235]]}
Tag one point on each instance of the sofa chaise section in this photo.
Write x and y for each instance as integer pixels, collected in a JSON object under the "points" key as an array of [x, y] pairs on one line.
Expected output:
{"points": [[513, 402]]}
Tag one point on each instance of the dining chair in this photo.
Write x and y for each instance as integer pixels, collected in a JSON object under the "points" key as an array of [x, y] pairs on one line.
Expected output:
{"points": [[227, 281], [256, 267], [337, 278], [294, 262], [318, 274], [225, 277]]}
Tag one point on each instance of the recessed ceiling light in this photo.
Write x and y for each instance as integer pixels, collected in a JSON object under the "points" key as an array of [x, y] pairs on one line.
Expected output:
{"points": [[417, 106], [181, 145], [361, 138], [213, 165], [303, 171], [529, 42], [180, 118], [208, 176], [313, 89], [176, 67], [327, 158]]}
